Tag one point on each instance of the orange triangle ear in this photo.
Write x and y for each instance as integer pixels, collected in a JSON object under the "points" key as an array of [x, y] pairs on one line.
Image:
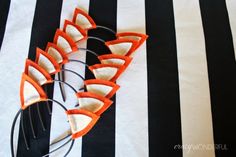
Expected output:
{"points": [[81, 122], [83, 20], [101, 87], [115, 59], [107, 72], [30, 92], [57, 53], [65, 42], [94, 103], [134, 36], [74, 31], [124, 47], [46, 61], [37, 73]]}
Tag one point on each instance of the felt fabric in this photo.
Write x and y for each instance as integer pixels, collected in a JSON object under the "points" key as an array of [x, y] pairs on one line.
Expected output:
{"points": [[64, 41], [30, 92], [82, 19], [46, 61], [74, 31], [101, 87], [93, 102], [124, 47], [57, 53], [81, 121]]}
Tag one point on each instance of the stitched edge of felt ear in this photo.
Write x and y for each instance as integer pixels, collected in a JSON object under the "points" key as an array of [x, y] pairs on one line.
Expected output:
{"points": [[114, 86], [62, 53], [107, 102], [29, 62], [120, 70], [39, 89], [90, 19], [142, 36], [89, 126], [127, 59], [118, 41], [50, 58], [81, 30], [72, 44]]}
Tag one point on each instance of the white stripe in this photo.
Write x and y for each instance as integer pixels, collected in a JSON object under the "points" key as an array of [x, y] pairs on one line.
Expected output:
{"points": [[231, 5], [14, 51], [195, 102], [59, 123], [131, 98]]}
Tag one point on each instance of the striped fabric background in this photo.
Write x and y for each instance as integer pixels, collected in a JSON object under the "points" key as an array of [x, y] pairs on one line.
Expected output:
{"points": [[177, 98]]}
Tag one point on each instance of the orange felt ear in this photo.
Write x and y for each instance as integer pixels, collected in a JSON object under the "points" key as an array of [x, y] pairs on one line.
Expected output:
{"points": [[115, 59], [74, 31], [57, 53], [124, 47], [93, 102], [30, 92], [46, 61], [65, 42], [101, 87], [81, 121], [109, 72], [134, 36], [82, 19], [37, 73]]}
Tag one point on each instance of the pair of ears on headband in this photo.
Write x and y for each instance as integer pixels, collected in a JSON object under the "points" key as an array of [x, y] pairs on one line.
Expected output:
{"points": [[96, 100], [125, 45], [86, 22], [75, 31]]}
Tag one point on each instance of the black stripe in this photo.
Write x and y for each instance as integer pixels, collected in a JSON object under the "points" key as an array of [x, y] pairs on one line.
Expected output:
{"points": [[4, 7], [46, 21], [163, 85], [100, 141], [222, 73]]}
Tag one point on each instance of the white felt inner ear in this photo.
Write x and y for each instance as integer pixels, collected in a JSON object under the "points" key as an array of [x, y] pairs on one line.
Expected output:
{"points": [[74, 33], [82, 21], [45, 63], [99, 89], [137, 38], [63, 44], [55, 54], [121, 48], [78, 122], [31, 95], [113, 61], [105, 73], [90, 104], [36, 75]]}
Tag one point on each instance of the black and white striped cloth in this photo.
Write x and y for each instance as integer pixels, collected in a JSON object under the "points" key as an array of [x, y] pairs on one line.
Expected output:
{"points": [[177, 98]]}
